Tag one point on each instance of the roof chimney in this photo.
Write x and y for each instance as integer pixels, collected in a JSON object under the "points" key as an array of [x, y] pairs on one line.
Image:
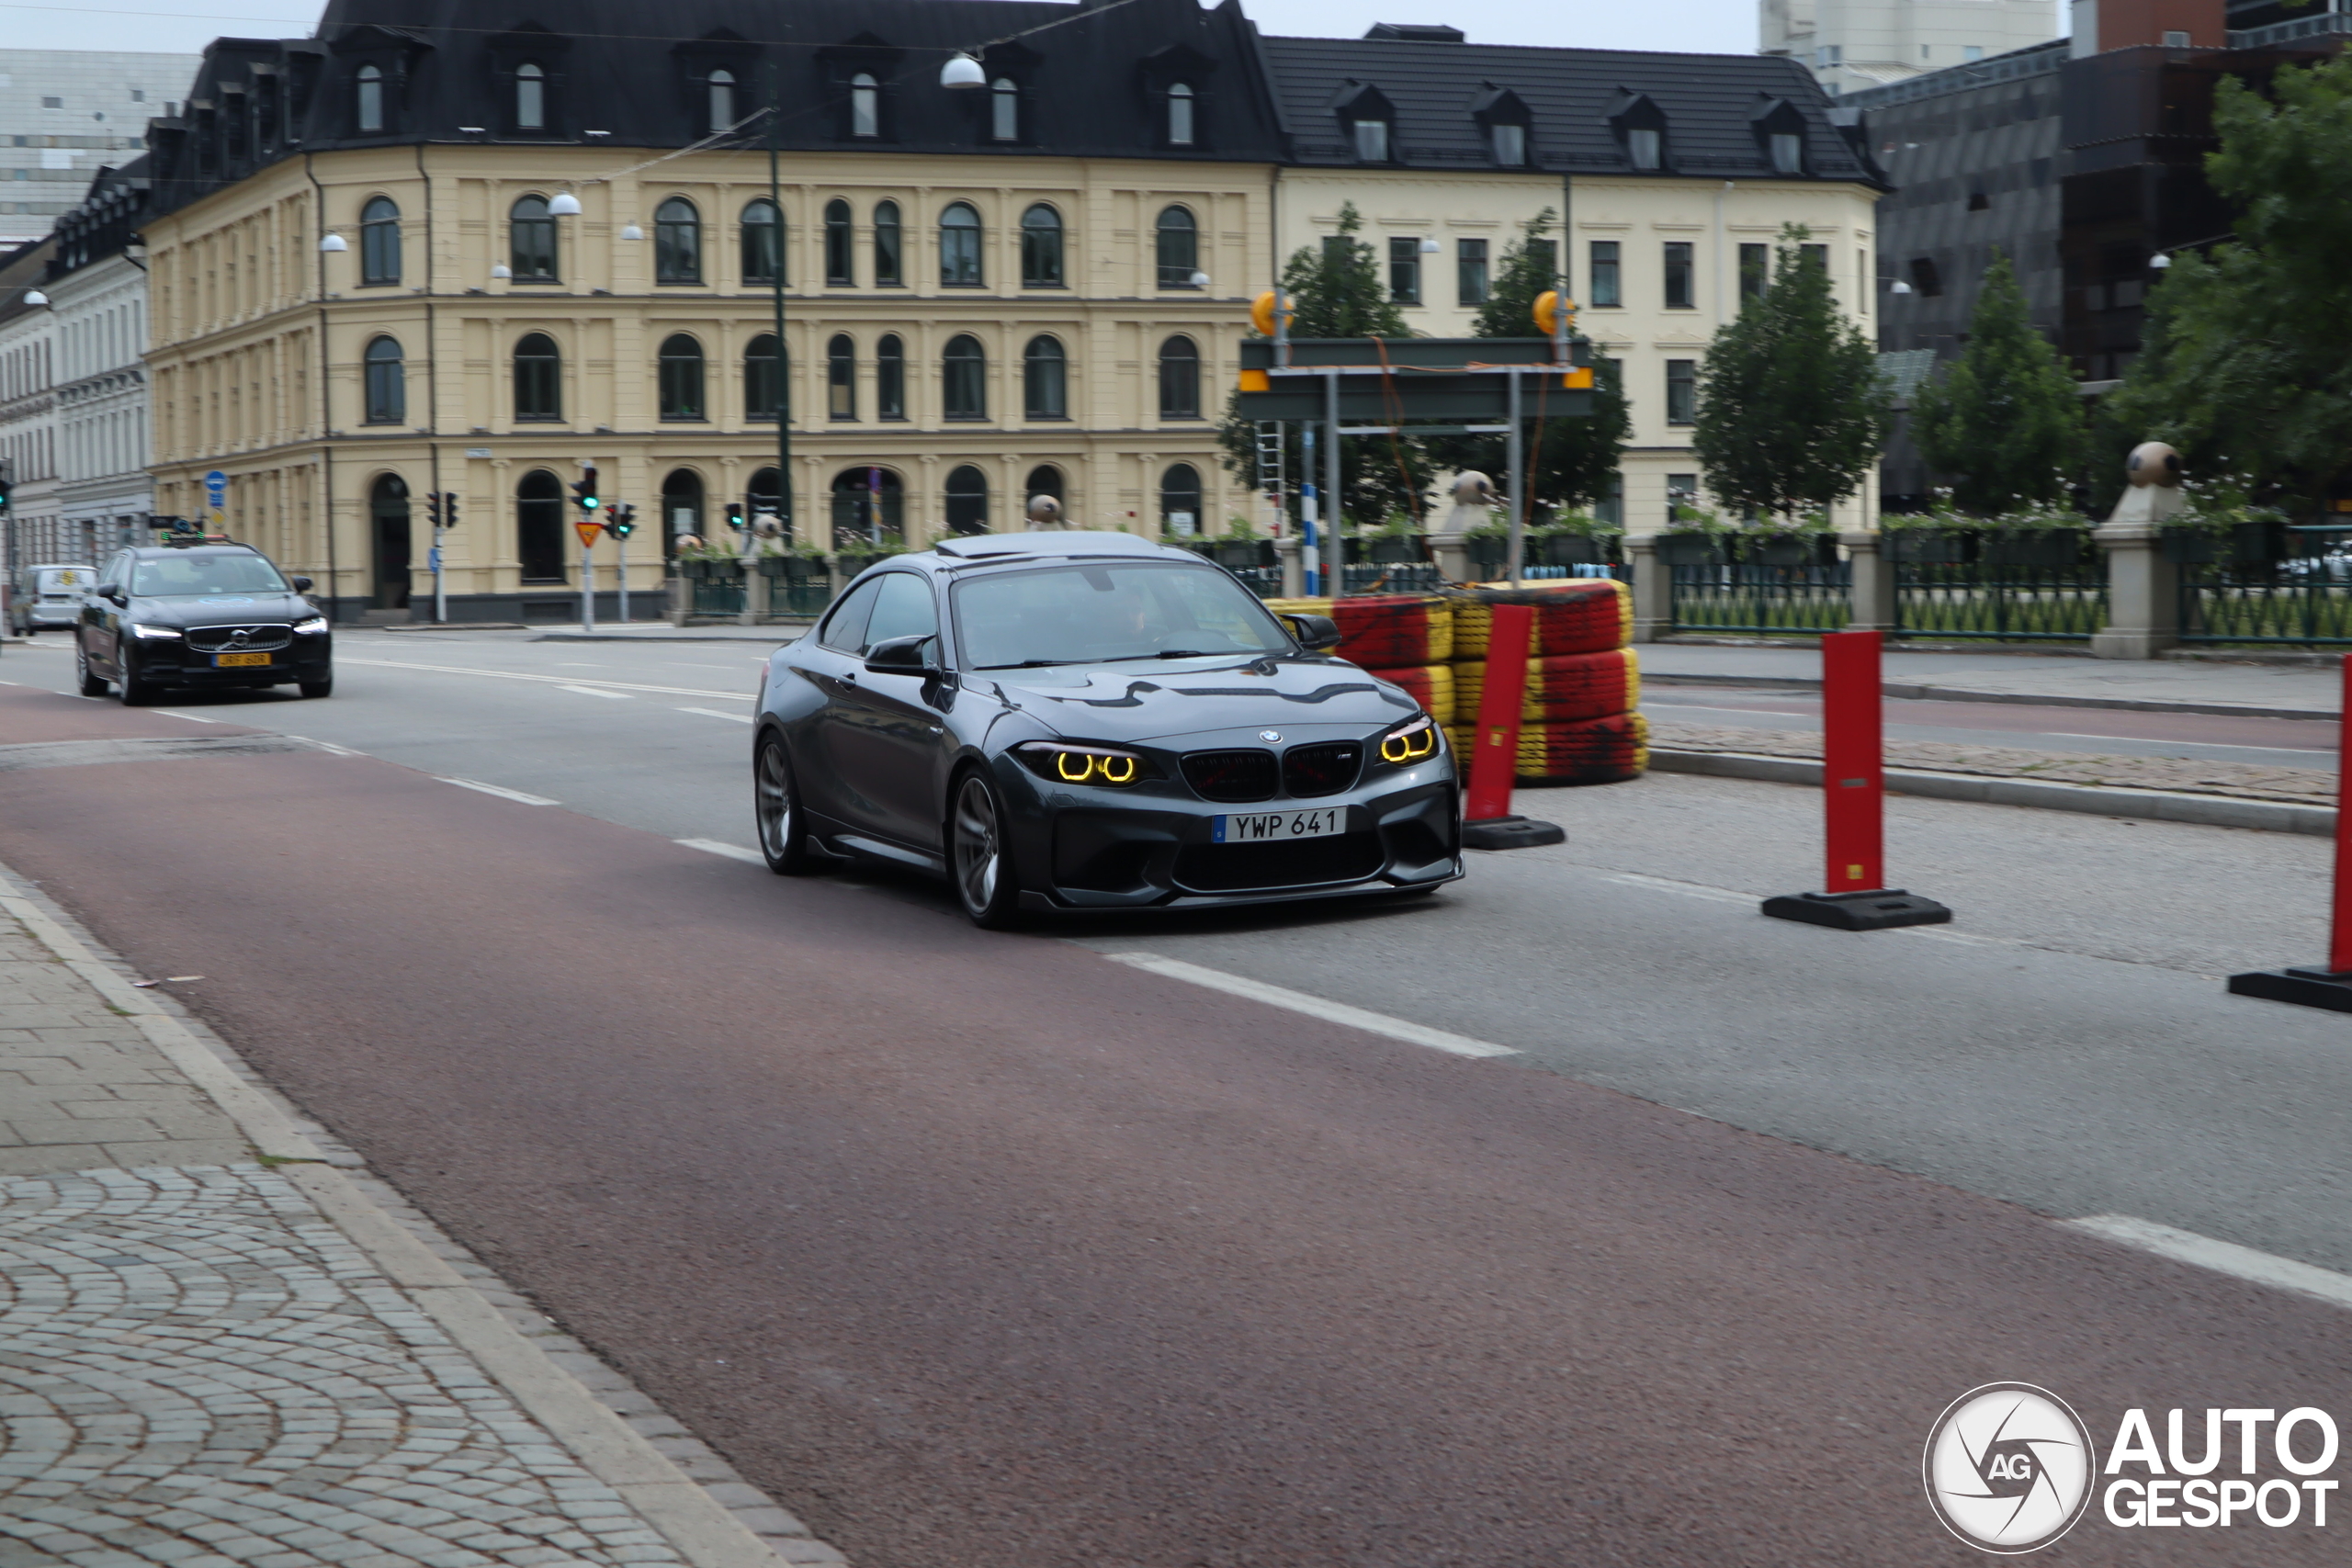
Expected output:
{"points": [[1415, 32]]}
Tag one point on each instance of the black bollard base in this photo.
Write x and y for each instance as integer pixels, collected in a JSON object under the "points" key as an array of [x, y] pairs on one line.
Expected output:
{"points": [[1510, 833], [1876, 911], [2306, 987]]}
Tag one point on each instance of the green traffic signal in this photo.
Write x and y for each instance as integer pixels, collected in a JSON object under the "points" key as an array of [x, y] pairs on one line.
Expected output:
{"points": [[621, 521], [583, 491]]}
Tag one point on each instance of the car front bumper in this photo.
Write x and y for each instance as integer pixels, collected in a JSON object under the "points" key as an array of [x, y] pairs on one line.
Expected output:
{"points": [[174, 664]]}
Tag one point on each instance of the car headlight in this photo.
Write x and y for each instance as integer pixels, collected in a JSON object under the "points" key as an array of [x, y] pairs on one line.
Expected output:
{"points": [[1415, 740], [312, 626], [147, 631], [1073, 764]]}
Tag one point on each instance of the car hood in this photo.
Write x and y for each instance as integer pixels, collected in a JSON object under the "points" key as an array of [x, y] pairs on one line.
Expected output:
{"points": [[1123, 702], [221, 610]]}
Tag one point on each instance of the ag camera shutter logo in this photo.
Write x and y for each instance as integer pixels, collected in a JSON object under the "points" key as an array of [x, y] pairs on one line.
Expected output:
{"points": [[2008, 1468]]}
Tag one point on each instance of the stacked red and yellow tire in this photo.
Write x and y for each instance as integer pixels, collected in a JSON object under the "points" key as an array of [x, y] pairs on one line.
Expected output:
{"points": [[1405, 638], [1579, 722]]}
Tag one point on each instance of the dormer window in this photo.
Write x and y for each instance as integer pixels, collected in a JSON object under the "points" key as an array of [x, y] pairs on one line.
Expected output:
{"points": [[1502, 115], [1788, 152], [1004, 110], [1779, 126], [1180, 116], [1370, 122], [722, 101], [371, 100], [1646, 147], [1508, 143], [864, 105], [1372, 141], [530, 98]]}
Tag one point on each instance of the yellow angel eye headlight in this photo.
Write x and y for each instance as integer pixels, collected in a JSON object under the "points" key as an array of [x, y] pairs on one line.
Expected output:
{"points": [[1082, 764], [1409, 744], [1073, 767], [1116, 770]]}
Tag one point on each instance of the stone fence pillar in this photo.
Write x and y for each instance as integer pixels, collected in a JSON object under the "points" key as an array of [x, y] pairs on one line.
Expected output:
{"points": [[2143, 592], [1452, 553], [1294, 572], [1870, 591], [1653, 588]]}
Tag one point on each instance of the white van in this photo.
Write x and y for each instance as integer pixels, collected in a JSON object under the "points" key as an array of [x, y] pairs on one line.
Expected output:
{"points": [[49, 596]]}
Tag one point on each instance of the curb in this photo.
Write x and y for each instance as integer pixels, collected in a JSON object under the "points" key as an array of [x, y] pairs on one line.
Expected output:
{"points": [[2152, 805], [1911, 691], [705, 1531]]}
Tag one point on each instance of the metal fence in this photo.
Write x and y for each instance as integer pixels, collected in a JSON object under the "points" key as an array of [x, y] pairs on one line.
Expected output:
{"points": [[2304, 600], [1755, 599], [1392, 577], [716, 595], [1976, 600]]}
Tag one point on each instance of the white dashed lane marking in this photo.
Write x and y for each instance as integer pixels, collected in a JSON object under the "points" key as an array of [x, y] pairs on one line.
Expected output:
{"points": [[717, 847], [501, 791], [1313, 1007], [714, 713], [2221, 1256]]}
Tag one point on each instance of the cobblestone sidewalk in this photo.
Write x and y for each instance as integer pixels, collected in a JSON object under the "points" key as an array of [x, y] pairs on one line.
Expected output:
{"points": [[225, 1346], [2245, 781]]}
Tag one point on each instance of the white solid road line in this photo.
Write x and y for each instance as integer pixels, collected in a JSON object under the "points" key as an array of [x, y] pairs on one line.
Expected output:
{"points": [[714, 713], [544, 680], [501, 791], [1313, 1007], [714, 847], [1687, 889], [2221, 1256], [593, 692], [191, 718], [327, 745]]}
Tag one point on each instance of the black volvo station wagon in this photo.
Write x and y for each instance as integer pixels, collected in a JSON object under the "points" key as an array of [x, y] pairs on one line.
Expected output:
{"points": [[1087, 722], [208, 617]]}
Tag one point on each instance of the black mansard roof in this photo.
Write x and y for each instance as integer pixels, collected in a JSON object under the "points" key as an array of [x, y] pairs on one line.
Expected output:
{"points": [[1716, 109], [106, 219], [636, 73]]}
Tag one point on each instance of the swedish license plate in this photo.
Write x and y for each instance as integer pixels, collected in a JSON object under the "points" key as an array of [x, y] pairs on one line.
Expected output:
{"points": [[237, 660], [1265, 827]]}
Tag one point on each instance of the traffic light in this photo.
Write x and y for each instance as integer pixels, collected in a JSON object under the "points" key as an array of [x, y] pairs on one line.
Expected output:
{"points": [[433, 508], [449, 509], [584, 492], [621, 521], [735, 516]]}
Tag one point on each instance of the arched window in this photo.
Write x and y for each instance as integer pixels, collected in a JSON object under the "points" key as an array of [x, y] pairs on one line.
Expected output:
{"points": [[762, 378], [841, 262], [1179, 378], [680, 377], [964, 368], [891, 377], [539, 378], [765, 493], [531, 232], [840, 377], [677, 241], [1004, 110], [968, 500], [887, 248], [763, 241], [371, 100], [1180, 116], [538, 526], [386, 384], [1179, 249], [530, 98], [864, 105], [722, 100], [388, 526], [869, 505], [1044, 380], [1180, 500], [959, 246], [1041, 248], [379, 241], [681, 508], [1043, 479]]}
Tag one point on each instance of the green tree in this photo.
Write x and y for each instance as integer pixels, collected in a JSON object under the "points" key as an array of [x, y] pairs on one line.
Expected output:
{"points": [[1571, 462], [2004, 420], [1335, 290], [2247, 358], [1791, 411]]}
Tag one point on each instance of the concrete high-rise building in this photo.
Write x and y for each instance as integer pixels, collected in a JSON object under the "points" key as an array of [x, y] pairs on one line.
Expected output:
{"points": [[1850, 45], [67, 113]]}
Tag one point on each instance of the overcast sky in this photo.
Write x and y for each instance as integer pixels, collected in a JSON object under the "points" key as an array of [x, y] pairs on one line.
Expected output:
{"points": [[1705, 25]]}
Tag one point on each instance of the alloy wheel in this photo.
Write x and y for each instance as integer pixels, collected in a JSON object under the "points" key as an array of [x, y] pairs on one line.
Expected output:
{"points": [[775, 812], [979, 856]]}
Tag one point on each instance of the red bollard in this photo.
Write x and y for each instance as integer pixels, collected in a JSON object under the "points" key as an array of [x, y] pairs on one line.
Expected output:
{"points": [[2330, 988], [1494, 762], [1853, 787]]}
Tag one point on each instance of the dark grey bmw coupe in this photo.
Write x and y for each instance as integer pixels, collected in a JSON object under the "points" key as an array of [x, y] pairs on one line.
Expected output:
{"points": [[1087, 722]]}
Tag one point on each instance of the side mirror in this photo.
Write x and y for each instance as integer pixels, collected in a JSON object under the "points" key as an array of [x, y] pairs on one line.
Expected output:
{"points": [[115, 594], [900, 656], [301, 585], [1314, 633]]}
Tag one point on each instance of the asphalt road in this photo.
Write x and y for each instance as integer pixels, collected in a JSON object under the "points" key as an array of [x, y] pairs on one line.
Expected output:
{"points": [[982, 1250]]}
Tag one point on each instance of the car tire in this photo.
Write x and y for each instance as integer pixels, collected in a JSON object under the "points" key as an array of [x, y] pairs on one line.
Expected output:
{"points": [[91, 685], [323, 688], [776, 810], [979, 859], [136, 693]]}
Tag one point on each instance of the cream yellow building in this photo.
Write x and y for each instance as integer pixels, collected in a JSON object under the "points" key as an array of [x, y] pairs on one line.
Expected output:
{"points": [[407, 305], [1669, 179]]}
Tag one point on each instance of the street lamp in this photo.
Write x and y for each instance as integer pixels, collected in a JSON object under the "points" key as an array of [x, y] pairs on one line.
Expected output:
{"points": [[962, 72], [2159, 261], [332, 242], [565, 205], [32, 296]]}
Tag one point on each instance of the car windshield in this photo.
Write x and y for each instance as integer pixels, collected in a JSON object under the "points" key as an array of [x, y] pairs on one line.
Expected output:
{"points": [[180, 577], [1102, 611]]}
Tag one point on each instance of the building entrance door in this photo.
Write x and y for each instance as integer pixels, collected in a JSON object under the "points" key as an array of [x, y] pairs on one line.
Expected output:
{"points": [[388, 509]]}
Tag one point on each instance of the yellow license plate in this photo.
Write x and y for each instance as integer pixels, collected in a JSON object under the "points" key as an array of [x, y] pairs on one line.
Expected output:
{"points": [[228, 661]]}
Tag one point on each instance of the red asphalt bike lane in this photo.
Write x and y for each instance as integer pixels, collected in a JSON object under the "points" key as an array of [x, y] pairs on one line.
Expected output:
{"points": [[979, 1250]]}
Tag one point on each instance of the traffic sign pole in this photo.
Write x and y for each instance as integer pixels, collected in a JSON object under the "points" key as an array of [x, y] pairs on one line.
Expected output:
{"points": [[2331, 987], [589, 533], [1488, 822]]}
